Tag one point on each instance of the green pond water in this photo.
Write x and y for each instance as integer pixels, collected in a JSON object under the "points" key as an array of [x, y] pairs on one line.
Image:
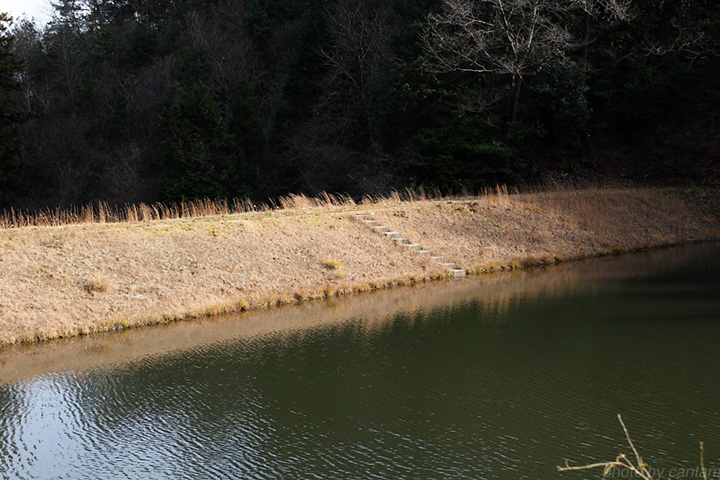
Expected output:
{"points": [[502, 377]]}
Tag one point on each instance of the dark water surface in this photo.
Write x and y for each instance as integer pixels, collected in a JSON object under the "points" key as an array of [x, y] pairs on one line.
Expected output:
{"points": [[502, 377]]}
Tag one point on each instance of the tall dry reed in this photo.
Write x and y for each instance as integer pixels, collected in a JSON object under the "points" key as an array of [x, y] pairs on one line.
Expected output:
{"points": [[102, 212]]}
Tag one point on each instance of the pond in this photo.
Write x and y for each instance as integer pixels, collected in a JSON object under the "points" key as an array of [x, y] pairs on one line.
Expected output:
{"points": [[497, 377]]}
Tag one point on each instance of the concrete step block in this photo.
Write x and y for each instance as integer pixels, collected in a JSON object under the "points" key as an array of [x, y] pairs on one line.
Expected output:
{"points": [[424, 252], [401, 240], [413, 246], [449, 266], [437, 259], [391, 234], [371, 223], [459, 273], [382, 229]]}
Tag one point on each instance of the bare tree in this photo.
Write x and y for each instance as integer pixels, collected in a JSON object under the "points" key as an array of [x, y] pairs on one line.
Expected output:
{"points": [[359, 50], [510, 38]]}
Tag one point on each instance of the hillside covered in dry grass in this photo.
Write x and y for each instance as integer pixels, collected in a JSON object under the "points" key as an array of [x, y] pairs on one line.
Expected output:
{"points": [[65, 280]]}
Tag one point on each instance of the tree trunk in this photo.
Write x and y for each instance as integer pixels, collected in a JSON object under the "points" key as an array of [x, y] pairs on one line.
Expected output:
{"points": [[517, 82]]}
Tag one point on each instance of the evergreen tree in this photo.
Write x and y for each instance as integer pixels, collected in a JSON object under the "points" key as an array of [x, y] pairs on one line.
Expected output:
{"points": [[11, 114], [192, 134], [206, 154]]}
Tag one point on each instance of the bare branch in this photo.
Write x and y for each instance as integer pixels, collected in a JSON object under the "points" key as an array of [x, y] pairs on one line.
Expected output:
{"points": [[639, 469], [691, 41]]}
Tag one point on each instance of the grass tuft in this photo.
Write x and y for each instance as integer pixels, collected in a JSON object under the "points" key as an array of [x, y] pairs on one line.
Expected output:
{"points": [[98, 284], [331, 264]]}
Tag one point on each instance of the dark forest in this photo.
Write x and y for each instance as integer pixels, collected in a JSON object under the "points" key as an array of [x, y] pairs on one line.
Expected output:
{"points": [[128, 101]]}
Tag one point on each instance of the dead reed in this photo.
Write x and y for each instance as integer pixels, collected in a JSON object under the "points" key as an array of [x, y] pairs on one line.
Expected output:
{"points": [[102, 212]]}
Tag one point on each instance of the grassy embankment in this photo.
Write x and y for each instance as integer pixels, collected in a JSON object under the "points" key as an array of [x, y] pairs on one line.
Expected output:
{"points": [[65, 280], [371, 313]]}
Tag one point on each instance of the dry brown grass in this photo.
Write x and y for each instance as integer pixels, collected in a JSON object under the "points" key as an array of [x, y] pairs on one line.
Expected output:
{"points": [[511, 230], [168, 269], [103, 213], [65, 280]]}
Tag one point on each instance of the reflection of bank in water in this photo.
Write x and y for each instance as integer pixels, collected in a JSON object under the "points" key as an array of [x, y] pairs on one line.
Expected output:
{"points": [[492, 295]]}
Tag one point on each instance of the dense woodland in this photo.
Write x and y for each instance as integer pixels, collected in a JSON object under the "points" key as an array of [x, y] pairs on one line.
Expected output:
{"points": [[136, 100]]}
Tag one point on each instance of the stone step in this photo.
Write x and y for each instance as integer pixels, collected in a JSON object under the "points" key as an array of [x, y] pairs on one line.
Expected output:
{"points": [[459, 273], [395, 236]]}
